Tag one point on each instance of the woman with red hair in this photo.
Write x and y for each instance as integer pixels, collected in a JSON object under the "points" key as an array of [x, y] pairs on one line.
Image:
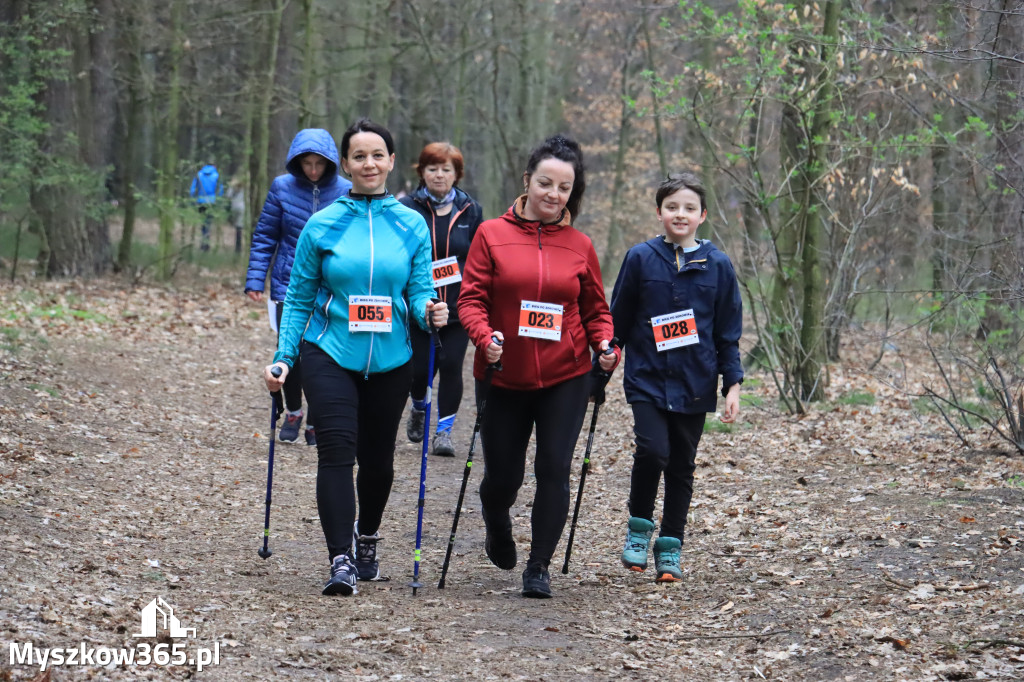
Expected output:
{"points": [[453, 218]]}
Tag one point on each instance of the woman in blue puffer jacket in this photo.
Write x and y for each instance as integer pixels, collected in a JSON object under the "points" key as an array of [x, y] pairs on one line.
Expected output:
{"points": [[311, 183]]}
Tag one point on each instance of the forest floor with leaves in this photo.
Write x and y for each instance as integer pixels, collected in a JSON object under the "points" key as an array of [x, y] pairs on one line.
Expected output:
{"points": [[859, 541]]}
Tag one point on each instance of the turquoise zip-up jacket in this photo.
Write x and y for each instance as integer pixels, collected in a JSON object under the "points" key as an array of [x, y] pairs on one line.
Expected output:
{"points": [[357, 247]]}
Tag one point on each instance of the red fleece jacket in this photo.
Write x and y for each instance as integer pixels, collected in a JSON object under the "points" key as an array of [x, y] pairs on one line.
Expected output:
{"points": [[512, 260]]}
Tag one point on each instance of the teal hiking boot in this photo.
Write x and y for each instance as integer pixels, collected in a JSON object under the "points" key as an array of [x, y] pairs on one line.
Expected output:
{"points": [[666, 560], [638, 537]]}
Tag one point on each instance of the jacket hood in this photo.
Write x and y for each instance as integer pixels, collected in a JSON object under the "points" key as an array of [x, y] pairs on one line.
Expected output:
{"points": [[208, 169], [318, 141], [515, 215]]}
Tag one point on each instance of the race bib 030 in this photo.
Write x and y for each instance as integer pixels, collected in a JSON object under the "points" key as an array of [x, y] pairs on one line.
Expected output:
{"points": [[446, 271]]}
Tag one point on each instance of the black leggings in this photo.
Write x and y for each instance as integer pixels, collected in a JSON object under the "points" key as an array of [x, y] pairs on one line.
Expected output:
{"points": [[293, 387], [357, 420], [510, 417], [454, 340], [665, 442]]}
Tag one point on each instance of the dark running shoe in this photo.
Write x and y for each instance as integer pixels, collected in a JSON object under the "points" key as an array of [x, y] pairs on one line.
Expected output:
{"points": [[343, 577], [536, 580], [365, 549], [414, 425], [499, 543], [310, 436], [289, 432], [443, 444]]}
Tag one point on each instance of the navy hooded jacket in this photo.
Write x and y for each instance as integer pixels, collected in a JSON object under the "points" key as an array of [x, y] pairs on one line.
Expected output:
{"points": [[292, 199], [651, 284]]}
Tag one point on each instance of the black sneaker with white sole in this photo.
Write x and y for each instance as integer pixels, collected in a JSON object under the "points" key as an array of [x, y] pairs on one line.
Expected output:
{"points": [[343, 577]]}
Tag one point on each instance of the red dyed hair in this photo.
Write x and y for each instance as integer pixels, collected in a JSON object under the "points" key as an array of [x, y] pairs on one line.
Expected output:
{"points": [[437, 153]]}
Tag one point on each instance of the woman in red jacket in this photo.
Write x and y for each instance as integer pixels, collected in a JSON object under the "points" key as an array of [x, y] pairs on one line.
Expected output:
{"points": [[533, 282]]}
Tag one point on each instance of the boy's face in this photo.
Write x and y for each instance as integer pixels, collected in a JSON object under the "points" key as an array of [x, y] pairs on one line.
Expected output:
{"points": [[313, 165], [680, 214]]}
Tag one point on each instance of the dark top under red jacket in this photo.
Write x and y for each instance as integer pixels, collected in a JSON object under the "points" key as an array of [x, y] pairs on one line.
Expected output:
{"points": [[513, 259]]}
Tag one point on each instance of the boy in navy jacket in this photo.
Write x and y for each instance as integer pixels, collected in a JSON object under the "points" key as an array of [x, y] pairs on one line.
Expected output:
{"points": [[677, 311]]}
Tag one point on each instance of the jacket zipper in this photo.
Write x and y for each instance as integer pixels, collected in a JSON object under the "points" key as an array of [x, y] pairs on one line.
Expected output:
{"points": [[327, 316], [540, 284], [452, 217], [316, 198], [369, 216]]}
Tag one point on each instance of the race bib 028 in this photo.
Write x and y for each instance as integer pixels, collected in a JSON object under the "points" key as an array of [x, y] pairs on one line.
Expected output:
{"points": [[674, 330]]}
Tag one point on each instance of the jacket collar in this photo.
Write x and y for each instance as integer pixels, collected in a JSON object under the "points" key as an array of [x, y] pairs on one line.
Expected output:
{"points": [[667, 251], [359, 202], [515, 215], [461, 199]]}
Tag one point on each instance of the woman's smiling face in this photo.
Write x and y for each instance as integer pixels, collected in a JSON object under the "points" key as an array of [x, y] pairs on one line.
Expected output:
{"points": [[368, 163], [548, 190]]}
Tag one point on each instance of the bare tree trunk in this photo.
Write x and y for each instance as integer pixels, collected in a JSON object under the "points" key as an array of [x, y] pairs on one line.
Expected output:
{"points": [[308, 59], [813, 376], [132, 144], [614, 246], [69, 212], [659, 144], [259, 180], [167, 147]]}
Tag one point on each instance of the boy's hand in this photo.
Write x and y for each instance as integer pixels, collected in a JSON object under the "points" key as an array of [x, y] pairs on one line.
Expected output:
{"points": [[732, 404]]}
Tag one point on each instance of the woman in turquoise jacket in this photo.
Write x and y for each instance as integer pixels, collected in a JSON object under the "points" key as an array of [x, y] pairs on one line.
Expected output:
{"points": [[360, 279]]}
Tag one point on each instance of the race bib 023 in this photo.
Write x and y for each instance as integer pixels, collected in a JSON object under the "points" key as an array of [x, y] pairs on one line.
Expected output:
{"points": [[541, 320], [674, 330], [369, 314]]}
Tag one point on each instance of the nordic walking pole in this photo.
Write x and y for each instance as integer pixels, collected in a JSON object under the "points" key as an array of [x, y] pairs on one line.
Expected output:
{"points": [[275, 401], [601, 378], [434, 345], [469, 463]]}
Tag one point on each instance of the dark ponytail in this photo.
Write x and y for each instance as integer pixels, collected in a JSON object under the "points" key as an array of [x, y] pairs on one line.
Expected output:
{"points": [[564, 149]]}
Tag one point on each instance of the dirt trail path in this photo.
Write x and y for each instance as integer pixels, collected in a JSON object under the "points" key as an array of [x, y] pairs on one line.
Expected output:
{"points": [[855, 543]]}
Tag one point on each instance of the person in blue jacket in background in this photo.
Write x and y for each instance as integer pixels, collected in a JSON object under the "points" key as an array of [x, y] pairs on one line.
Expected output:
{"points": [[360, 280], [206, 187], [678, 315], [311, 183]]}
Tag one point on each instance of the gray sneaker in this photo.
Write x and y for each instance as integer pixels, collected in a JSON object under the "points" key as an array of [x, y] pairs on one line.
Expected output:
{"points": [[365, 549], [443, 444], [343, 577], [414, 425]]}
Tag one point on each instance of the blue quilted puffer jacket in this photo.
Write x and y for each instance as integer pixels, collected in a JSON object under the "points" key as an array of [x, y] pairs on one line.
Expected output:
{"points": [[292, 199]]}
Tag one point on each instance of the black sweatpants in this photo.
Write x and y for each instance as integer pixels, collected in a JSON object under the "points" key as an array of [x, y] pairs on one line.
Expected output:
{"points": [[666, 442], [557, 413], [357, 420], [292, 388], [454, 341]]}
